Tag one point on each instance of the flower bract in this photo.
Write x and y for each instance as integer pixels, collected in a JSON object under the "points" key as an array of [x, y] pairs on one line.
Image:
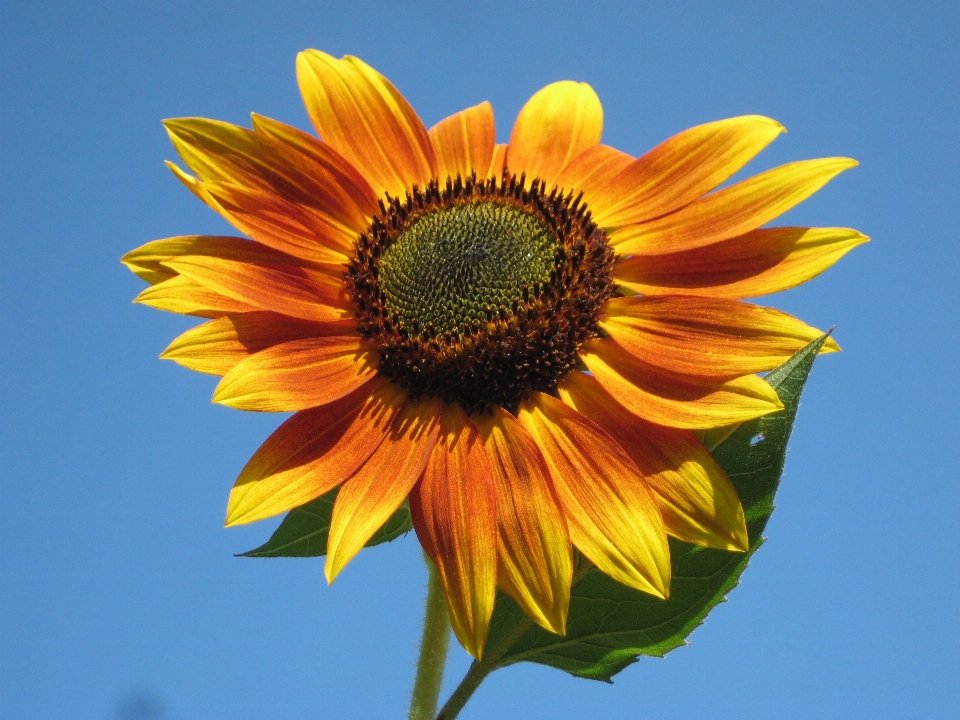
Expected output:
{"points": [[521, 340]]}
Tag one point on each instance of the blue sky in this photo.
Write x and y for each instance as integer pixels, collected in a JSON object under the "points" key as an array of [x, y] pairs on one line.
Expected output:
{"points": [[120, 589]]}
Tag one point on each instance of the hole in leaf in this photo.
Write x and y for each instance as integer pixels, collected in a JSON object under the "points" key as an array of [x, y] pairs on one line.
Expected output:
{"points": [[757, 439]]}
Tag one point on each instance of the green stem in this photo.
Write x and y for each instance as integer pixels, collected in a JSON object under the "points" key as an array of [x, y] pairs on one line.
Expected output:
{"points": [[433, 650], [471, 681], [491, 660]]}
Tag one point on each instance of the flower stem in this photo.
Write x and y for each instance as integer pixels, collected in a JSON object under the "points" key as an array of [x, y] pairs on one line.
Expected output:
{"points": [[433, 650], [491, 659], [471, 681]]}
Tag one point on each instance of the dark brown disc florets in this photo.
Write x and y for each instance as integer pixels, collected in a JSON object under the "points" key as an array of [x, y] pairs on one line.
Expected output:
{"points": [[481, 291]]}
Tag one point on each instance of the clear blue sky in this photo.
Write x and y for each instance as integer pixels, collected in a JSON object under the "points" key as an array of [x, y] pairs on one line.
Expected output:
{"points": [[118, 585]]}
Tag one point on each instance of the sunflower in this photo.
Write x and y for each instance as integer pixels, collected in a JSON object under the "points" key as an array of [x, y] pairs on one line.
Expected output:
{"points": [[521, 340]]}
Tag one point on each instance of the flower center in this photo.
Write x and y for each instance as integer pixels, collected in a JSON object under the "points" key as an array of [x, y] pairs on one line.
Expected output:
{"points": [[453, 266], [482, 291]]}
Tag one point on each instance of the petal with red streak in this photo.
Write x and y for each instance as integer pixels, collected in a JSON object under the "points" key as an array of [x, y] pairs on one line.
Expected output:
{"points": [[591, 169], [147, 260], [610, 511], [454, 510], [365, 118], [313, 452], [298, 374], [706, 336], [696, 499], [463, 142], [681, 401], [757, 263], [379, 487], [681, 169], [292, 228], [536, 562], [220, 152], [348, 177], [732, 211], [298, 292], [216, 346]]}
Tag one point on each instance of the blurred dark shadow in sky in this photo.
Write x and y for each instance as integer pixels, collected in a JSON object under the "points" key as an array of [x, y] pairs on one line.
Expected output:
{"points": [[141, 706]]}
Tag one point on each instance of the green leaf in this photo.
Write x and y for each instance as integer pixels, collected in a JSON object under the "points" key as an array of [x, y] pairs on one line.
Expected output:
{"points": [[303, 532], [609, 624]]}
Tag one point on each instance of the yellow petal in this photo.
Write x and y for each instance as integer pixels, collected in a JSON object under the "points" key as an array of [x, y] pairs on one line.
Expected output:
{"points": [[182, 295], [681, 401], [678, 171], [706, 336], [558, 123], [313, 452], [498, 161], [761, 262], [298, 374], [698, 503], [379, 487], [146, 260], [612, 515], [217, 346], [365, 118], [732, 211]]}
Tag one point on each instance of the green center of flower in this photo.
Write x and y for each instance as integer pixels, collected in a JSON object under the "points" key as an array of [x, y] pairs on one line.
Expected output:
{"points": [[459, 265]]}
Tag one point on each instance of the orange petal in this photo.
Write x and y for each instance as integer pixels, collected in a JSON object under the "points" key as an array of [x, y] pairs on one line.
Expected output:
{"points": [[591, 169], [678, 171], [313, 452], [732, 211], [612, 515], [146, 260], [463, 143], [536, 562], [558, 123], [681, 401], [698, 503], [298, 374], [348, 177], [216, 346], [289, 290], [706, 336], [182, 295], [220, 152], [761, 262], [498, 162], [372, 495], [364, 118], [291, 228], [454, 511]]}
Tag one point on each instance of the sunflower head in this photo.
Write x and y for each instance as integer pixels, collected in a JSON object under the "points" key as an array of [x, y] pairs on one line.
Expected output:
{"points": [[480, 292], [522, 340]]}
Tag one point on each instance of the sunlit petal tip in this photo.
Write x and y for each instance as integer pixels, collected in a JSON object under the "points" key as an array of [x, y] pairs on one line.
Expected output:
{"points": [[830, 346], [191, 183], [740, 540], [558, 123]]}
